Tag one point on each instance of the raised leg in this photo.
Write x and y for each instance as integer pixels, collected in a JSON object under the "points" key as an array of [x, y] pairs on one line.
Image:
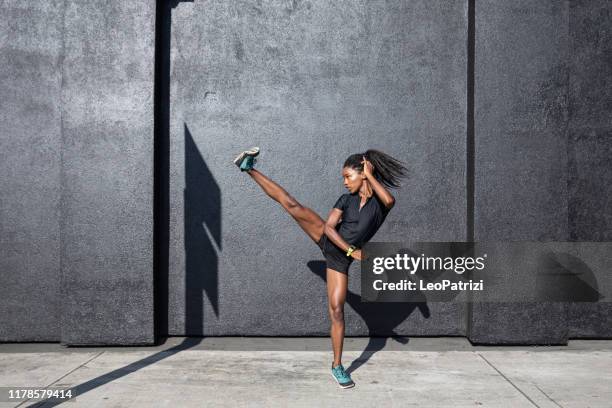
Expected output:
{"points": [[337, 286], [307, 219]]}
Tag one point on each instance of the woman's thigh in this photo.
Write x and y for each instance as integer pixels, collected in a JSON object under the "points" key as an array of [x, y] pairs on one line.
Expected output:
{"points": [[337, 286], [312, 224]]}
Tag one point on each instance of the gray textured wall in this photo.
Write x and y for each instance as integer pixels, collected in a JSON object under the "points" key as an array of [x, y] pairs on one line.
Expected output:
{"points": [[542, 136], [77, 163], [520, 150], [30, 151], [589, 149], [309, 82], [107, 180]]}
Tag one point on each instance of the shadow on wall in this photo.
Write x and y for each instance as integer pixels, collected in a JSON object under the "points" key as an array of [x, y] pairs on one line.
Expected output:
{"points": [[202, 203], [563, 277], [174, 3], [196, 239], [380, 318], [163, 25]]}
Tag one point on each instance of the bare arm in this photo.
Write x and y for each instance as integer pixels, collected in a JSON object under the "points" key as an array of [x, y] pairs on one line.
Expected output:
{"points": [[380, 190], [330, 230]]}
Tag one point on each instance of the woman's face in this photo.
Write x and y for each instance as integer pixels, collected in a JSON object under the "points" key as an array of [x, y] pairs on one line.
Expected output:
{"points": [[352, 179]]}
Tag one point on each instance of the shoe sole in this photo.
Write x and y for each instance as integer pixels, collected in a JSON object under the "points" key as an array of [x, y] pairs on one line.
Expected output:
{"points": [[254, 151], [340, 385]]}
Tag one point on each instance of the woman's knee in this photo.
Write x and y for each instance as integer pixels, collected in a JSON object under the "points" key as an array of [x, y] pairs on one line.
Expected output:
{"points": [[336, 313]]}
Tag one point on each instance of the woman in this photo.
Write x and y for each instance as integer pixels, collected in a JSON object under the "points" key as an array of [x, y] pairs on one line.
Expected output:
{"points": [[355, 218]]}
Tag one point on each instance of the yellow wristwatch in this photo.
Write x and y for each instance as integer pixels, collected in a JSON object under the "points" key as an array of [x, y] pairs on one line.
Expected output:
{"points": [[350, 250]]}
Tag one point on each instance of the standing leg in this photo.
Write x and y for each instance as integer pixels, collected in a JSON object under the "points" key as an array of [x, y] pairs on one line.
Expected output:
{"points": [[337, 286], [309, 220]]}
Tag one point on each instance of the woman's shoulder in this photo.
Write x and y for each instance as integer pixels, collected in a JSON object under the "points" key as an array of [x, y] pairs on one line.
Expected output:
{"points": [[348, 196], [342, 201], [382, 205]]}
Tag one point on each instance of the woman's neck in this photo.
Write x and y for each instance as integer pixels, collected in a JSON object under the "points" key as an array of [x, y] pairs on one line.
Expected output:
{"points": [[365, 190]]}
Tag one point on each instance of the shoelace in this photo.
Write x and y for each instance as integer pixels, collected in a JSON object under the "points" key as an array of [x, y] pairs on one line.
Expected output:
{"points": [[341, 372]]}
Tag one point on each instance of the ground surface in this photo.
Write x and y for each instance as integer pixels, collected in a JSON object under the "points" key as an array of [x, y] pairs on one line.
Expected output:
{"points": [[235, 371]]}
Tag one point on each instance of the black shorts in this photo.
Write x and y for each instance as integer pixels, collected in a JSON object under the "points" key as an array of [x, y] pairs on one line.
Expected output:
{"points": [[336, 259]]}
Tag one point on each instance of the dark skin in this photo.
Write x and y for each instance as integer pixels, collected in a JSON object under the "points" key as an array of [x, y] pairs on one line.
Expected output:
{"points": [[363, 182]]}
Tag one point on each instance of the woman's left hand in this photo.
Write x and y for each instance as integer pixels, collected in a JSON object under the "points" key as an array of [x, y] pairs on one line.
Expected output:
{"points": [[368, 168]]}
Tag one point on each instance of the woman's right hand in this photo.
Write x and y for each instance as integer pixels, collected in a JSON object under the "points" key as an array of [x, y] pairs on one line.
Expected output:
{"points": [[357, 254]]}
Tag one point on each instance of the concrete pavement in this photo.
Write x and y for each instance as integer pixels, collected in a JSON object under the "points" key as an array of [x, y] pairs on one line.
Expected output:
{"points": [[236, 371]]}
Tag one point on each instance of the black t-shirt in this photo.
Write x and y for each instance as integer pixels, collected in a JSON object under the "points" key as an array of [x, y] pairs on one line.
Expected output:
{"points": [[358, 226]]}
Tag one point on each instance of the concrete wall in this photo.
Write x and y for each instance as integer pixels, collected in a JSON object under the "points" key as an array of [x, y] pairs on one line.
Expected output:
{"points": [[590, 145], [542, 126], [107, 180], [310, 83], [520, 150], [77, 163], [30, 160]]}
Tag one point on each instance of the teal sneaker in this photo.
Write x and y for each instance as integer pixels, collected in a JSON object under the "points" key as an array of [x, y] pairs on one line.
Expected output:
{"points": [[246, 159], [248, 163], [342, 377]]}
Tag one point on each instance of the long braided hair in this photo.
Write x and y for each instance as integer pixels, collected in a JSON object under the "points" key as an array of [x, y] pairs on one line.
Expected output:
{"points": [[388, 170]]}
